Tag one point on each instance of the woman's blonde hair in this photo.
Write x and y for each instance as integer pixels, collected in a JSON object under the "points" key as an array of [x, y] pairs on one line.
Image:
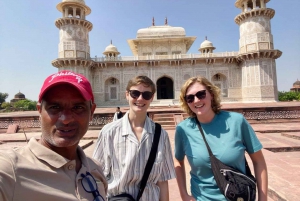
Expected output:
{"points": [[211, 88], [141, 79]]}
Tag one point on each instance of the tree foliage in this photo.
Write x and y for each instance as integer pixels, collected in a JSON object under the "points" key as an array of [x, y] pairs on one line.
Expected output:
{"points": [[21, 105], [288, 96], [3, 96], [6, 105], [25, 105]]}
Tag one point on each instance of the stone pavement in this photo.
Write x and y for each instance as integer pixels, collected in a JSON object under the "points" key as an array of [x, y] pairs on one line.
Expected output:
{"points": [[283, 161], [281, 151], [281, 143]]}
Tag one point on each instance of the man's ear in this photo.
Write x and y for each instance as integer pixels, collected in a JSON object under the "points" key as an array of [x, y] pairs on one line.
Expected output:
{"points": [[39, 107], [93, 107]]}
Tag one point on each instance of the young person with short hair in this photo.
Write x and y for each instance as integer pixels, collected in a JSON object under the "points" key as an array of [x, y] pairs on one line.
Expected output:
{"points": [[124, 145]]}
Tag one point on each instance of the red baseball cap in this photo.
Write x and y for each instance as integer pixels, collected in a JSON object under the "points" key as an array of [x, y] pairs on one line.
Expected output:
{"points": [[68, 77]]}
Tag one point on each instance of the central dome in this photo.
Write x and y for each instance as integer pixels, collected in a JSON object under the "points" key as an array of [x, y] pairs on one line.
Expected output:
{"points": [[165, 31]]}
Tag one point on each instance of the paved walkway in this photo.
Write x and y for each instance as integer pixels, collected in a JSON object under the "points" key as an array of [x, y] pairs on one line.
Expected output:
{"points": [[281, 143], [281, 152]]}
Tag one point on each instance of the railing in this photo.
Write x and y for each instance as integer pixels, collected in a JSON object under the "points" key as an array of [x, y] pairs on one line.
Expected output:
{"points": [[165, 57]]}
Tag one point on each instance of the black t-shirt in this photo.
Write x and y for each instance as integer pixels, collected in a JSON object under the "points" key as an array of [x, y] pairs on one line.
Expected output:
{"points": [[120, 115]]}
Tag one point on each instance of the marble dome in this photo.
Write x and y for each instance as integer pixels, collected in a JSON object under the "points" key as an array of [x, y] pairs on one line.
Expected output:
{"points": [[206, 44], [161, 32], [111, 49]]}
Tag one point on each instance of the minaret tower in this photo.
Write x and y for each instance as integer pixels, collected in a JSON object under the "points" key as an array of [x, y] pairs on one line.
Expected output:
{"points": [[256, 51], [73, 48]]}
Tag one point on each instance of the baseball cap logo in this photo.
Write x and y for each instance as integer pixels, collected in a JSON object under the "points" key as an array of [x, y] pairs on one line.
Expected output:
{"points": [[79, 79], [68, 77]]}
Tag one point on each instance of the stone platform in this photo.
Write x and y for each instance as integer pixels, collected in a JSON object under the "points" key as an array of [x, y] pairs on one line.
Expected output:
{"points": [[280, 139], [281, 151]]}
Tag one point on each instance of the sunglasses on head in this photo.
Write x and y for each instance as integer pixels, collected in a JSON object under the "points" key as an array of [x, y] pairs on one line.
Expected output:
{"points": [[200, 95], [147, 95]]}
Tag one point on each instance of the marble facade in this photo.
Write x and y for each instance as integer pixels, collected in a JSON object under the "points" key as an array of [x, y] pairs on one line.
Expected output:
{"points": [[160, 52]]}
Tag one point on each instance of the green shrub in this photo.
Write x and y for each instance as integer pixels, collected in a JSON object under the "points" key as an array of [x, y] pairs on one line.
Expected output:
{"points": [[6, 105], [288, 96], [25, 105]]}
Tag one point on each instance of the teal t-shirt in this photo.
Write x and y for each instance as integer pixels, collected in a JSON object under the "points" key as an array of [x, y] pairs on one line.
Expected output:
{"points": [[228, 135]]}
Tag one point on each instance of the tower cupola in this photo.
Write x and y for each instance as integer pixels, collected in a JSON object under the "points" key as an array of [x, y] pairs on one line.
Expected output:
{"points": [[248, 5], [206, 47], [74, 8], [111, 51]]}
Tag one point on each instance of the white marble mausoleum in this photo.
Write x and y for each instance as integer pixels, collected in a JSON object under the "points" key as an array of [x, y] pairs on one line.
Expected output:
{"points": [[161, 53]]}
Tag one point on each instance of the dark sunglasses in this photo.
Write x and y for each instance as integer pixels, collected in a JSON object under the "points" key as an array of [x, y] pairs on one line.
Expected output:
{"points": [[90, 185], [147, 95], [200, 95]]}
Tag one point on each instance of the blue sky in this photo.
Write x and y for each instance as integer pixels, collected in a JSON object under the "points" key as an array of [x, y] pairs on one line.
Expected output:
{"points": [[29, 39]]}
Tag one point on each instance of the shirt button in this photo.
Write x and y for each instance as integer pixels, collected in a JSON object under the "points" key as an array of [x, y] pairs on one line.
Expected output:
{"points": [[70, 167]]}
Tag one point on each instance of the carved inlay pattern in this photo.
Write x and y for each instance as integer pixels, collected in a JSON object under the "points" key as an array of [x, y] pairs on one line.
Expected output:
{"points": [[22, 123], [263, 46], [99, 120], [69, 53], [272, 115]]}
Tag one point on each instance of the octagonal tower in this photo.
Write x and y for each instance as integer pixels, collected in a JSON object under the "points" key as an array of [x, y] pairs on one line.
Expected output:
{"points": [[73, 48], [256, 51]]}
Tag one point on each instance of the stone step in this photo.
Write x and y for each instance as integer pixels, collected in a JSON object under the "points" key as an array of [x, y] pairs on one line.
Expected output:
{"points": [[166, 123], [166, 120], [277, 142], [276, 127], [294, 135], [163, 114], [163, 119], [168, 127]]}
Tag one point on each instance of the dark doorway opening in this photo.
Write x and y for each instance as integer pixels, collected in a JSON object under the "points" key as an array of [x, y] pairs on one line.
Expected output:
{"points": [[165, 88]]}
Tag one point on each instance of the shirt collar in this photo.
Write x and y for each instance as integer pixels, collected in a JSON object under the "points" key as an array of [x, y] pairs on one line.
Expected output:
{"points": [[126, 128], [52, 158]]}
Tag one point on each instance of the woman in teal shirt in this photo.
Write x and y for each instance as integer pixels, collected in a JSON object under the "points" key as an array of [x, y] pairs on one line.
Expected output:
{"points": [[228, 134]]}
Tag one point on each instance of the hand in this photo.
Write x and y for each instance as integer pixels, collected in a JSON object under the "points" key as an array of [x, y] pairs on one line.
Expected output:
{"points": [[188, 198]]}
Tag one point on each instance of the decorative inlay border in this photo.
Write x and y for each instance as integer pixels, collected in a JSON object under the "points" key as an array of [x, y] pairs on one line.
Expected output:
{"points": [[99, 120]]}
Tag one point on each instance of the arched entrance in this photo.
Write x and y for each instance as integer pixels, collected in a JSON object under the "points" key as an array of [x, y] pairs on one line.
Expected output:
{"points": [[220, 81], [165, 88]]}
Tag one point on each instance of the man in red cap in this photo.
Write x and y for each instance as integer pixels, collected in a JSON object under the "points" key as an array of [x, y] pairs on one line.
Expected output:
{"points": [[55, 167]]}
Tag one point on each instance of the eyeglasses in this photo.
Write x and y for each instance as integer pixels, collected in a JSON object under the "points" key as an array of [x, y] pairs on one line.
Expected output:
{"points": [[147, 95], [90, 185], [200, 95]]}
